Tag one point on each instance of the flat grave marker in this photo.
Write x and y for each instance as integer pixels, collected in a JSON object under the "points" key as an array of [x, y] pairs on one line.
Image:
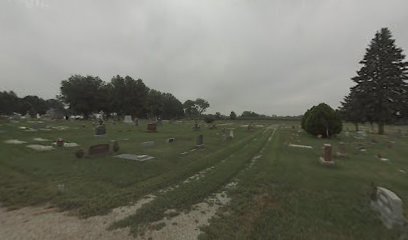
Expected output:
{"points": [[40, 148], [148, 144], [134, 157], [99, 149]]}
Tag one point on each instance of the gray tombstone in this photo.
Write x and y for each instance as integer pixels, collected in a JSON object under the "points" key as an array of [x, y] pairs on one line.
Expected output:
{"points": [[389, 205], [100, 130], [200, 141]]}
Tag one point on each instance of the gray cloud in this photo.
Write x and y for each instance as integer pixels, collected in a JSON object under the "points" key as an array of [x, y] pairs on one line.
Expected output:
{"points": [[272, 57]]}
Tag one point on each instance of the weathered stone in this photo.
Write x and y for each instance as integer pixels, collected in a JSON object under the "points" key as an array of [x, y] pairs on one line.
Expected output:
{"points": [[231, 134], [14, 141], [60, 142], [99, 149], [327, 159], [100, 130], [200, 141], [40, 148], [152, 127], [196, 127], [389, 205], [128, 119], [135, 157]]}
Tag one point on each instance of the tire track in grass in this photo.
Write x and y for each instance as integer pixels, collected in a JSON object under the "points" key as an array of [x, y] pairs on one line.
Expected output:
{"points": [[192, 196], [186, 225], [200, 174], [248, 201], [37, 219]]}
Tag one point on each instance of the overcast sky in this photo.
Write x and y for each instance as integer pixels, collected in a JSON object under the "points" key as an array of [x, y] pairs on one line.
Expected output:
{"points": [[272, 57]]}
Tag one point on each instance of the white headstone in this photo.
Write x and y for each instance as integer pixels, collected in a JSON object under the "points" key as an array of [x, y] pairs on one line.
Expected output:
{"points": [[231, 133], [128, 119]]}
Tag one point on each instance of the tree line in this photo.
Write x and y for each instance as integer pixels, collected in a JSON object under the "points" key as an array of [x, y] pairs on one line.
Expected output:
{"points": [[85, 95], [10, 103], [122, 95]]}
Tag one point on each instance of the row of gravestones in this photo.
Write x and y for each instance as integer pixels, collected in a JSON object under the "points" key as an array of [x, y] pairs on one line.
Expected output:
{"points": [[100, 129]]}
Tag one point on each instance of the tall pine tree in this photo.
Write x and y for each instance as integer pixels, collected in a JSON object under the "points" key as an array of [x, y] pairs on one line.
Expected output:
{"points": [[381, 90]]}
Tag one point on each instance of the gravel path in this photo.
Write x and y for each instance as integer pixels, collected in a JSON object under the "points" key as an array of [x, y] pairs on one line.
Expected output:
{"points": [[39, 223]]}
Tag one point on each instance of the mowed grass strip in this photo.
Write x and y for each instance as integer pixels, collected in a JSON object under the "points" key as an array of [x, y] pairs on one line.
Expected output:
{"points": [[95, 186], [121, 197], [289, 195], [194, 192]]}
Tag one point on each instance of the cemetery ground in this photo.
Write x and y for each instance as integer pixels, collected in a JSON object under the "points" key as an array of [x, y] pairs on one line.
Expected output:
{"points": [[254, 186]]}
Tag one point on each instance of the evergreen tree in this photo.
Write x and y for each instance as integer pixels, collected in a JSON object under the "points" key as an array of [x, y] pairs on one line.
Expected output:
{"points": [[233, 115], [381, 90]]}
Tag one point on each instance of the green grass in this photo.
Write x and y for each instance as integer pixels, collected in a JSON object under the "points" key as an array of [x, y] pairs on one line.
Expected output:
{"points": [[94, 186], [195, 192], [286, 194], [289, 195]]}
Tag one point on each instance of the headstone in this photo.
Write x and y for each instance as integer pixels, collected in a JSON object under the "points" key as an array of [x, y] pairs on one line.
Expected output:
{"points": [[99, 149], [100, 130], [327, 159], [136, 121], [148, 144], [342, 150], [60, 142], [170, 140], [389, 205], [196, 127], [152, 127], [231, 134], [128, 119], [200, 141]]}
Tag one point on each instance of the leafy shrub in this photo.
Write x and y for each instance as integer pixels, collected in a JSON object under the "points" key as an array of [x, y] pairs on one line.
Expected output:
{"points": [[322, 120]]}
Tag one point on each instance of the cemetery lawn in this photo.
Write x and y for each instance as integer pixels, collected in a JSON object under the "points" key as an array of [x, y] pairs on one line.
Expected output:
{"points": [[289, 195], [282, 192], [93, 186]]}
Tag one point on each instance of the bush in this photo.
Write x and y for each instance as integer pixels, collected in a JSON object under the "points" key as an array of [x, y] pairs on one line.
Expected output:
{"points": [[209, 119], [322, 120]]}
